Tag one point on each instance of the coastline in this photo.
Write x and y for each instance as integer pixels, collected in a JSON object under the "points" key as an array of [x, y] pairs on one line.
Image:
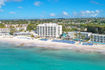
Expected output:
{"points": [[54, 45]]}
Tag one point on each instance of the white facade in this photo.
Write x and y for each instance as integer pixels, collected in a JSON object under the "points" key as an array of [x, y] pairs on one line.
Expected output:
{"points": [[25, 34], [76, 33], [72, 35], [86, 34], [94, 37], [98, 38], [4, 31], [49, 30], [18, 27], [21, 28], [4, 34], [22, 34]]}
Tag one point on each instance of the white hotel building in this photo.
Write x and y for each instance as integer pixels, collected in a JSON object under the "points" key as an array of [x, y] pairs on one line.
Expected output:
{"points": [[52, 30]]}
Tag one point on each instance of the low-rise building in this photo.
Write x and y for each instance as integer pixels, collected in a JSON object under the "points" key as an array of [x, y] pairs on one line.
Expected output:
{"points": [[25, 34], [72, 35], [98, 38], [18, 27], [21, 28], [85, 34], [21, 34], [4, 31], [77, 34]]}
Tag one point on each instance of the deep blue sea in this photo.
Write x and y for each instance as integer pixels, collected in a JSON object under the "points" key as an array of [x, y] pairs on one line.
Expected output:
{"points": [[21, 58]]}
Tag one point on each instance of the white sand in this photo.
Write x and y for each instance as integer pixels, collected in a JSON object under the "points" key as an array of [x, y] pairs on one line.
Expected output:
{"points": [[54, 45]]}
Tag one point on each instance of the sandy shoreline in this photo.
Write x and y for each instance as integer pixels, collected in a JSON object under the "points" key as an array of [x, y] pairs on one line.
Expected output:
{"points": [[53, 45]]}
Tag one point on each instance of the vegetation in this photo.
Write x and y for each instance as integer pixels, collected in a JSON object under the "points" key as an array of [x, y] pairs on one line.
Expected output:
{"points": [[32, 36], [2, 26], [12, 30], [31, 27], [95, 25]]}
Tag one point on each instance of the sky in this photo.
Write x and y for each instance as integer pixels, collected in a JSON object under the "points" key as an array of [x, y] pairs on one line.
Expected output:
{"points": [[36, 9]]}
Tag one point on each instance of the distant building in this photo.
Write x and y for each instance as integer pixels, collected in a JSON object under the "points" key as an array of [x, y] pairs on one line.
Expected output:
{"points": [[85, 34], [72, 35], [77, 34], [21, 34], [0, 22], [25, 34], [21, 28], [52, 30], [98, 38], [4, 31], [18, 27]]}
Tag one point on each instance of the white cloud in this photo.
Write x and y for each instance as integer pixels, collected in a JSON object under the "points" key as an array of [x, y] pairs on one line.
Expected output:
{"points": [[52, 14], [94, 15], [18, 0], [92, 11], [14, 0], [2, 3], [95, 2], [20, 7], [89, 13], [65, 13], [12, 12], [53, 0], [86, 12], [37, 3], [97, 11], [1, 10]]}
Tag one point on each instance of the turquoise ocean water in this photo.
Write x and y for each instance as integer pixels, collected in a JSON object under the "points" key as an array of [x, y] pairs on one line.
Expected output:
{"points": [[13, 58]]}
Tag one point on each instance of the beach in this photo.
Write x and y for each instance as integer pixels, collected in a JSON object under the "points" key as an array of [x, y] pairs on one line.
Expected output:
{"points": [[53, 45]]}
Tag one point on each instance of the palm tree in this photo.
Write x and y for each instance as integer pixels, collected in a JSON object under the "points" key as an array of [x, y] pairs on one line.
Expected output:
{"points": [[91, 37], [82, 37]]}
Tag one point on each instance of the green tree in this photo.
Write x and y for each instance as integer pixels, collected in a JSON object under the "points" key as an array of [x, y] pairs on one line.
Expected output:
{"points": [[12, 30], [2, 26], [31, 27], [32, 36]]}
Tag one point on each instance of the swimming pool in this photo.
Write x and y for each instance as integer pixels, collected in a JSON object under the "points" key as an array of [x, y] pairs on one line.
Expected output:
{"points": [[87, 43], [44, 39], [99, 43], [64, 41]]}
